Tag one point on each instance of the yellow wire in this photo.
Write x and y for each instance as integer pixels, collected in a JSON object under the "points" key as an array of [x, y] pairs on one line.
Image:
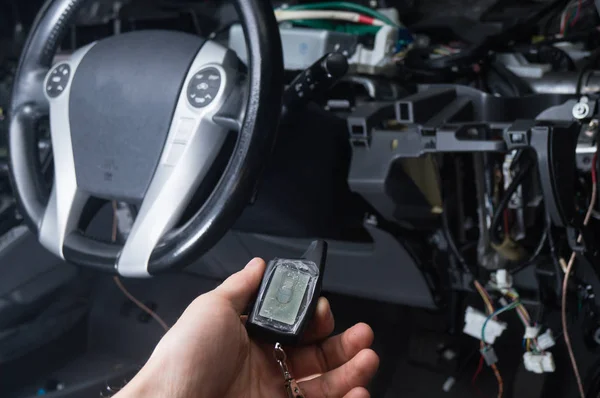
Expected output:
{"points": [[484, 296], [500, 382], [490, 309], [521, 309]]}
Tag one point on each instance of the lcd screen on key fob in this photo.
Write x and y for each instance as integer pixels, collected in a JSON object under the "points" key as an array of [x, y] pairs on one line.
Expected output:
{"points": [[284, 296], [288, 295]]}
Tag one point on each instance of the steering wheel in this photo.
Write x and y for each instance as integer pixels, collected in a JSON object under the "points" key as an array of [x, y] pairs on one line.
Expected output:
{"points": [[142, 118]]}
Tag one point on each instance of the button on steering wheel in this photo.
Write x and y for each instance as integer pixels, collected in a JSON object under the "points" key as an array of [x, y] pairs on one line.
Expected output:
{"points": [[142, 117]]}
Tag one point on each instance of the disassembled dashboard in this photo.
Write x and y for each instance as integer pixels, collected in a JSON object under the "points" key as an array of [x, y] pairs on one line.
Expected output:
{"points": [[480, 136], [473, 134]]}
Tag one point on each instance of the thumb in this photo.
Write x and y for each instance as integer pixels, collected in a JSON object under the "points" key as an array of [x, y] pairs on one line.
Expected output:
{"points": [[240, 287]]}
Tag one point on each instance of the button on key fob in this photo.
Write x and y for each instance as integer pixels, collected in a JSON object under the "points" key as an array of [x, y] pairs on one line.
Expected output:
{"points": [[288, 296]]}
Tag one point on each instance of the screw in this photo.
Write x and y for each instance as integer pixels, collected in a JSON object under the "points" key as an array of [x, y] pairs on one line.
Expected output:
{"points": [[581, 110], [592, 128], [373, 3]]}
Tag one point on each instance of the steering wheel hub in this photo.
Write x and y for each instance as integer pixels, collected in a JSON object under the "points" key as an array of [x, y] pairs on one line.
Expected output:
{"points": [[120, 106]]}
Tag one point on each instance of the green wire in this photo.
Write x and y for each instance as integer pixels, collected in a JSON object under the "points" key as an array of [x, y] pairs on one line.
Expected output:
{"points": [[342, 5], [346, 28], [498, 312]]}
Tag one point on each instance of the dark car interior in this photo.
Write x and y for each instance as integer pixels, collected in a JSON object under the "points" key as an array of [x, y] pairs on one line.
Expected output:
{"points": [[446, 151]]}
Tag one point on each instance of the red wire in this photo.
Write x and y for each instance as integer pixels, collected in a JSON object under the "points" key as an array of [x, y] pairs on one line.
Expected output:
{"points": [[577, 13], [506, 226], [478, 371], [366, 20]]}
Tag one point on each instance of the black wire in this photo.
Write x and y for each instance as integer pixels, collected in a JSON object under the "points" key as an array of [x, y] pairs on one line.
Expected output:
{"points": [[535, 256], [554, 255], [452, 244], [448, 233], [502, 81], [557, 272], [512, 188], [539, 316]]}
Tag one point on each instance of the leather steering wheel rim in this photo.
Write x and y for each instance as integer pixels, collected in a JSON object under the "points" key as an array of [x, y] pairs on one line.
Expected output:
{"points": [[237, 184]]}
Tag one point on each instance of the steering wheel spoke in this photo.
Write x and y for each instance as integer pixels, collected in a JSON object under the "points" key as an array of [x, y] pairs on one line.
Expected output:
{"points": [[193, 143], [67, 201]]}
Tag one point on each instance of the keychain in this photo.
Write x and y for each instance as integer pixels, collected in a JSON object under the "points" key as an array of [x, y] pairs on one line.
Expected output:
{"points": [[291, 386]]}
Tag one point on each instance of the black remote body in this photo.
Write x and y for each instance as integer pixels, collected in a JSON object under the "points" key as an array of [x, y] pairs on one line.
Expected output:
{"points": [[288, 296]]}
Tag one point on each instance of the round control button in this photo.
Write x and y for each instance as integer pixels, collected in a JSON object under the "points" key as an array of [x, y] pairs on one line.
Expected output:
{"points": [[58, 80], [204, 87]]}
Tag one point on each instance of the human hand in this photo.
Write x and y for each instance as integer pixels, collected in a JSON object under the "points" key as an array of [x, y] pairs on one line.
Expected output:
{"points": [[208, 353]]}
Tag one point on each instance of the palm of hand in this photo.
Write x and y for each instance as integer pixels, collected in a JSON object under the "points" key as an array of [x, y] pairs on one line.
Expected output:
{"points": [[209, 354]]}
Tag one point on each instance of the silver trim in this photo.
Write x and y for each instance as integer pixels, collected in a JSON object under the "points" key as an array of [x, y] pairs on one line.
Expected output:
{"points": [[66, 201], [586, 150], [174, 183]]}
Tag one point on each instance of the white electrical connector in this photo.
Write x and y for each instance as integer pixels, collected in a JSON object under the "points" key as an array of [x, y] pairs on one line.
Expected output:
{"points": [[531, 332], [545, 340], [474, 321], [489, 355], [539, 363], [503, 280], [377, 59]]}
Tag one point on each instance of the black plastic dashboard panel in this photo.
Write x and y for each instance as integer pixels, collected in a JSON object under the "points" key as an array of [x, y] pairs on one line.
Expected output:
{"points": [[451, 118], [382, 270]]}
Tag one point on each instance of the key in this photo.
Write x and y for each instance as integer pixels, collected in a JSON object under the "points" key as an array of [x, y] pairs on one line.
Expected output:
{"points": [[288, 296], [291, 386]]}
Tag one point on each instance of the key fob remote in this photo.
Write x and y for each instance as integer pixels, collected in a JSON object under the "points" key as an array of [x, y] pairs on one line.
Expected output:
{"points": [[288, 296]]}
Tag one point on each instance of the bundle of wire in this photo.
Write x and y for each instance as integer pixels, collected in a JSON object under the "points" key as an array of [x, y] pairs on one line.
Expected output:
{"points": [[529, 343], [568, 269], [348, 16], [570, 15], [329, 15], [491, 314]]}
